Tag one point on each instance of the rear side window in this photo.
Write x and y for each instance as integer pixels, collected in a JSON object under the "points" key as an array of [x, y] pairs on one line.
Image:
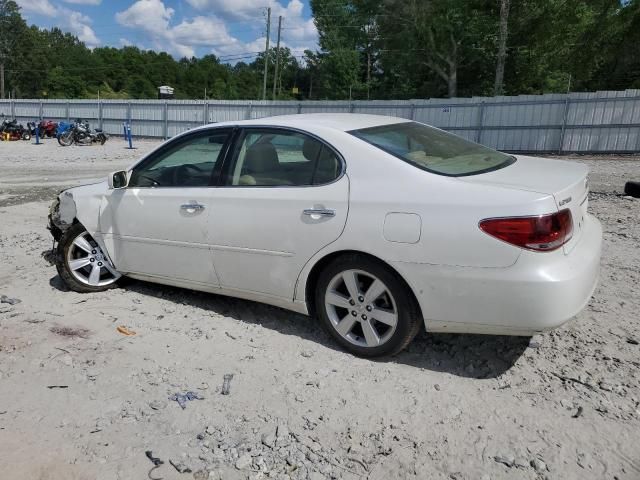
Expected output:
{"points": [[281, 158], [434, 150]]}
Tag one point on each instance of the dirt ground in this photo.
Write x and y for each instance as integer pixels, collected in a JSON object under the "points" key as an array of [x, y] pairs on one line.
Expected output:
{"points": [[79, 400]]}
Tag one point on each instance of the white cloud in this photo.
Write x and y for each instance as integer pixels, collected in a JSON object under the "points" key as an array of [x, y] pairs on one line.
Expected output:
{"points": [[84, 2], [77, 24], [68, 20], [210, 29], [297, 33], [153, 17], [40, 7]]}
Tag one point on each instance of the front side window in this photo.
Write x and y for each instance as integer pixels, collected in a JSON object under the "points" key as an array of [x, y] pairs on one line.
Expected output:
{"points": [[188, 162], [281, 158], [434, 150]]}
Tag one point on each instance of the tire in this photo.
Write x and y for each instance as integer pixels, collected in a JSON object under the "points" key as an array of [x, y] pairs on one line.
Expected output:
{"points": [[80, 279], [102, 138], [65, 139], [334, 304], [632, 189], [26, 136]]}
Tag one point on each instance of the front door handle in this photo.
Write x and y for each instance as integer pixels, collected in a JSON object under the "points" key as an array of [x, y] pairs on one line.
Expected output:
{"points": [[192, 207], [319, 212]]}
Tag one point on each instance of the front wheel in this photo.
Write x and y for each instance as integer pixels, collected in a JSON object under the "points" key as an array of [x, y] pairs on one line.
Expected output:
{"points": [[102, 138], [366, 306], [65, 139], [81, 263], [26, 136]]}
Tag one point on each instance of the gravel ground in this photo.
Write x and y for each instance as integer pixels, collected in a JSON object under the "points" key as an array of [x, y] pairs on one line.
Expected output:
{"points": [[79, 400]]}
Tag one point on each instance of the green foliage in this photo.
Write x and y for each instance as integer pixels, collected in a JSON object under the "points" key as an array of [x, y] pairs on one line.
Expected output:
{"points": [[368, 49]]}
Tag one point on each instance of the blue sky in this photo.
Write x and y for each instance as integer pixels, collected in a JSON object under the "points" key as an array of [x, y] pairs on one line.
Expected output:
{"points": [[231, 29]]}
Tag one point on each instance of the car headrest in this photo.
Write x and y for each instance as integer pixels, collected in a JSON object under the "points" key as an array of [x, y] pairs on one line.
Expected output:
{"points": [[261, 158], [310, 149]]}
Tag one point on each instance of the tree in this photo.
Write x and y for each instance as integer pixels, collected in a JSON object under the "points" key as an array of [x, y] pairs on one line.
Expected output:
{"points": [[11, 27]]}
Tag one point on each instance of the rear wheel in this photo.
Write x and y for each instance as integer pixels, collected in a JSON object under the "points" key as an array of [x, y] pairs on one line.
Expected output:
{"points": [[632, 189], [366, 307], [82, 264]]}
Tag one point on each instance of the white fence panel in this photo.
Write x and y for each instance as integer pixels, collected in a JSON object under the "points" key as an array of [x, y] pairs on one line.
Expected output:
{"points": [[577, 122]]}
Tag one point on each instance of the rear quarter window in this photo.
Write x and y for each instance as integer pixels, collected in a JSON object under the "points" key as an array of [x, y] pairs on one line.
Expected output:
{"points": [[433, 150]]}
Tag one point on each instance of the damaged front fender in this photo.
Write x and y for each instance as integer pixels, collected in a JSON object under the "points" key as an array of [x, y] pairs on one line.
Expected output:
{"points": [[82, 204], [62, 214]]}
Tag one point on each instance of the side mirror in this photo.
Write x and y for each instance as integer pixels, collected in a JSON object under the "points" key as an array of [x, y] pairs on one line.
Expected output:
{"points": [[117, 180]]}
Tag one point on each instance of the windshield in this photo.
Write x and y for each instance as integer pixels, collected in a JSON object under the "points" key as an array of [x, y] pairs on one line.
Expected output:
{"points": [[434, 150]]}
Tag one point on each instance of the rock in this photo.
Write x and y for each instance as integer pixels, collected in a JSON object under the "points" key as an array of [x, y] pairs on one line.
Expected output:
{"points": [[316, 476], [157, 404], [306, 354], [268, 439], [454, 413], [632, 341], [210, 430], [538, 465], [605, 386], [535, 342], [568, 404], [201, 475], [437, 387], [244, 461], [521, 462], [10, 301], [507, 460], [180, 466], [282, 430]]}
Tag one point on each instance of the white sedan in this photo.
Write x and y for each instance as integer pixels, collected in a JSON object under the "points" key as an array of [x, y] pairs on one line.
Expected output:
{"points": [[377, 225]]}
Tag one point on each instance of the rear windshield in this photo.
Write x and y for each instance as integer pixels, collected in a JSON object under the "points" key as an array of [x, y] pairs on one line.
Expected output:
{"points": [[434, 150]]}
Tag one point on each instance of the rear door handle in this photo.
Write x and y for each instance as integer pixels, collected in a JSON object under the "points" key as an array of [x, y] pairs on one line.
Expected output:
{"points": [[320, 212], [192, 206]]}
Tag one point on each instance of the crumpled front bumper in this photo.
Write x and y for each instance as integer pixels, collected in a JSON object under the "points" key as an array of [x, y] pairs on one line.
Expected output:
{"points": [[62, 214]]}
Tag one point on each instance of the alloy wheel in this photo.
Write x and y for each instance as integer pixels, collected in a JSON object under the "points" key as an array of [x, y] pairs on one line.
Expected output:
{"points": [[361, 308], [88, 264]]}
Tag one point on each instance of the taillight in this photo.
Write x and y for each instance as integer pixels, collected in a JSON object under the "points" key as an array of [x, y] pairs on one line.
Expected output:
{"points": [[542, 233]]}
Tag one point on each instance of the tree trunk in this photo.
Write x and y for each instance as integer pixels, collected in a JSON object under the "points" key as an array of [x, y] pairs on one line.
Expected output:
{"points": [[498, 88], [452, 81]]}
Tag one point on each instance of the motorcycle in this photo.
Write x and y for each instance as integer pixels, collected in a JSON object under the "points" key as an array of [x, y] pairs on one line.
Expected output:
{"points": [[63, 127], [47, 128], [12, 130], [81, 133]]}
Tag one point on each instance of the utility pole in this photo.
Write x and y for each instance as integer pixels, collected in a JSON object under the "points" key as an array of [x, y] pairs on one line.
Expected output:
{"points": [[368, 73], [498, 88], [2, 77], [266, 55], [275, 73]]}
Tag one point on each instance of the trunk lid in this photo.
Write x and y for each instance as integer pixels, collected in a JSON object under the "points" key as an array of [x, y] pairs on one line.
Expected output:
{"points": [[565, 181]]}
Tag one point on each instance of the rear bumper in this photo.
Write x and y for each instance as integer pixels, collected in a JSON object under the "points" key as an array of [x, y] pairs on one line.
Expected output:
{"points": [[541, 291]]}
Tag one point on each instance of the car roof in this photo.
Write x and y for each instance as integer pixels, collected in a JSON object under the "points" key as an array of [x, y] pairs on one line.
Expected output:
{"points": [[337, 121]]}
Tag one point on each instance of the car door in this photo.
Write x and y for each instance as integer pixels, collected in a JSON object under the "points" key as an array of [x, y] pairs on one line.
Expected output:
{"points": [[157, 225], [283, 197]]}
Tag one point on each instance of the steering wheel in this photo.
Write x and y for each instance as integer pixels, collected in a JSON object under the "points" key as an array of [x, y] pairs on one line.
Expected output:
{"points": [[184, 173], [154, 182]]}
